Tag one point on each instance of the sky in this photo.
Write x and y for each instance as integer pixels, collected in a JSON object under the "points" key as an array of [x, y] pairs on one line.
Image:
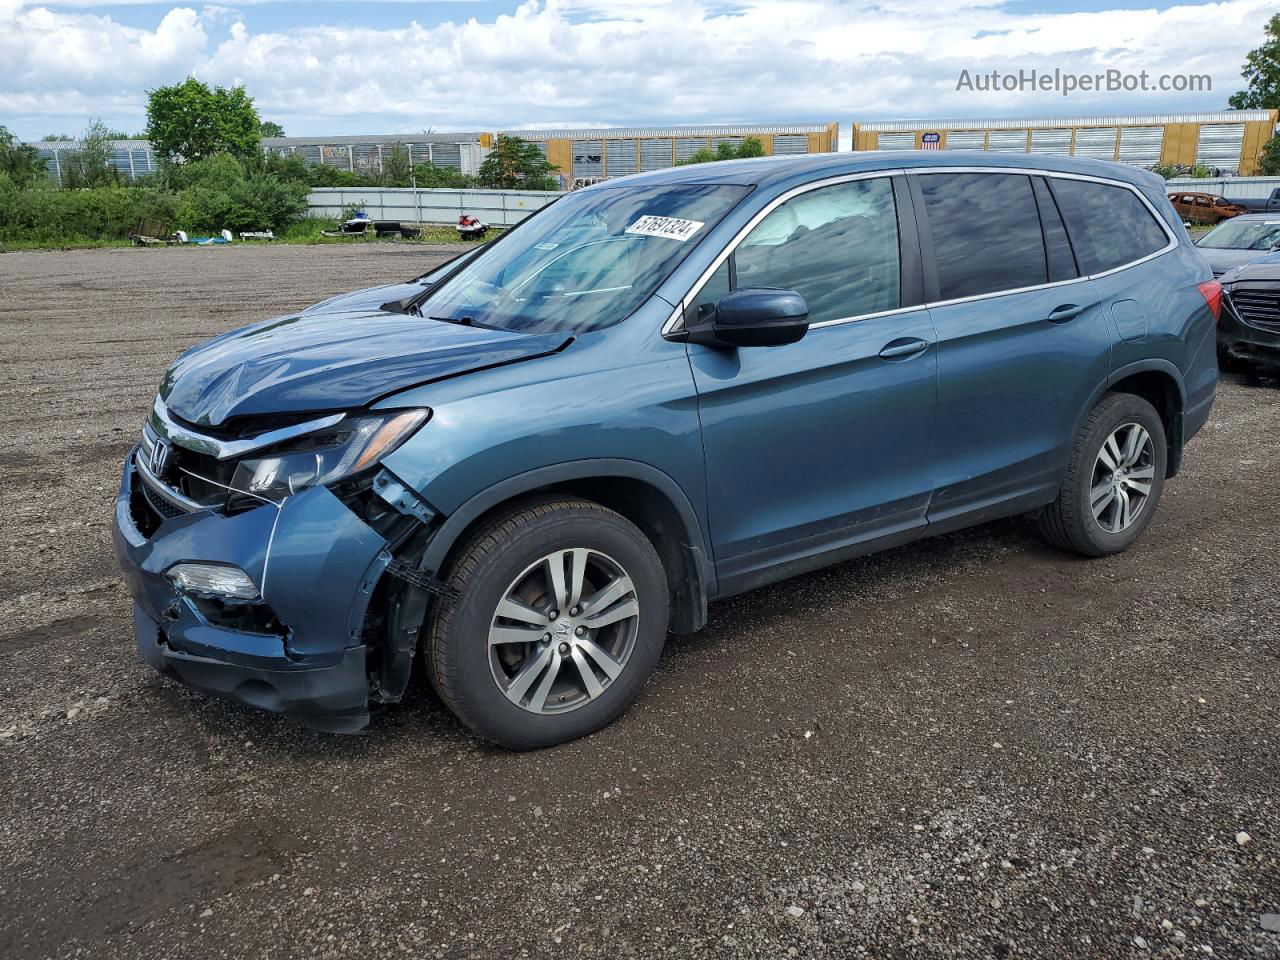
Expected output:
{"points": [[320, 67]]}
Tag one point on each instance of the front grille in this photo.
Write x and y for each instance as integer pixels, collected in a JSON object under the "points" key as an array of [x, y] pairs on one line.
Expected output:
{"points": [[1258, 308], [200, 477], [159, 504], [203, 479]]}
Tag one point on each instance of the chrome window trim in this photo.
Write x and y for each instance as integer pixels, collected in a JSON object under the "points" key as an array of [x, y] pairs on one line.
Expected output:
{"points": [[162, 489], [164, 426], [677, 316]]}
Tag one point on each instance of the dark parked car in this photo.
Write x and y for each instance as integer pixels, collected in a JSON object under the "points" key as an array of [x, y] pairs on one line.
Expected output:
{"points": [[1249, 331], [1205, 207], [1240, 240], [527, 466]]}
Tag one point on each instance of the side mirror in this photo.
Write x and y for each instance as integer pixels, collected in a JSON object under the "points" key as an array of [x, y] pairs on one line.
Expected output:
{"points": [[754, 317]]}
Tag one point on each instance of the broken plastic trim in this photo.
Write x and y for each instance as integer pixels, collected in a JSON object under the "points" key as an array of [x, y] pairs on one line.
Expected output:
{"points": [[422, 579]]}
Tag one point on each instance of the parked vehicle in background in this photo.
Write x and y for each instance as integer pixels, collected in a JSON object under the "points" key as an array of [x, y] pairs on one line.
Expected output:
{"points": [[471, 228], [1260, 204], [1249, 330], [1205, 207], [529, 465], [1239, 240]]}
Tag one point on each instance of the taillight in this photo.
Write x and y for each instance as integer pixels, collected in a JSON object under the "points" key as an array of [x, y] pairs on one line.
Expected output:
{"points": [[1211, 290]]}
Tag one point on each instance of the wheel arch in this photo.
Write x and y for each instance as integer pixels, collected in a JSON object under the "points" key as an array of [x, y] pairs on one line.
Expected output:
{"points": [[643, 494], [1160, 383]]}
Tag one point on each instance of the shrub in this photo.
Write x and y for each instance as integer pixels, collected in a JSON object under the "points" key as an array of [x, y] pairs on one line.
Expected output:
{"points": [[44, 213], [254, 202]]}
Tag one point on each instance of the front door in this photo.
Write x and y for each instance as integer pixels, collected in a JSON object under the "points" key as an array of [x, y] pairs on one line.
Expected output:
{"points": [[824, 443]]}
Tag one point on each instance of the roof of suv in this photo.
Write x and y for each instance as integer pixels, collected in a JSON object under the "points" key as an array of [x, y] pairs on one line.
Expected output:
{"points": [[763, 171]]}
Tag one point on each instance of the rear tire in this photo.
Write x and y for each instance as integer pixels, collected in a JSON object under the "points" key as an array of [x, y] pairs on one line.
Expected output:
{"points": [[1114, 479], [595, 629]]}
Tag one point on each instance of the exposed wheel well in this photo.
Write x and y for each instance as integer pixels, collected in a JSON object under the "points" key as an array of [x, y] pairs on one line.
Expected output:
{"points": [[1161, 391], [650, 510]]}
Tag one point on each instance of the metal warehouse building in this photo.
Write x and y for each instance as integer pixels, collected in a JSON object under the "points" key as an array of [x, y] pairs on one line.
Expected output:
{"points": [[132, 158], [459, 151], [617, 151], [1231, 140]]}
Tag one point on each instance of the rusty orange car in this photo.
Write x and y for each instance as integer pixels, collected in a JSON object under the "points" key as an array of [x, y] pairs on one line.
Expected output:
{"points": [[1205, 207]]}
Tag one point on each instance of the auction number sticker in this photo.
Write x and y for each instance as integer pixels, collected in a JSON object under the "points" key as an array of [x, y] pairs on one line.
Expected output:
{"points": [[673, 228]]}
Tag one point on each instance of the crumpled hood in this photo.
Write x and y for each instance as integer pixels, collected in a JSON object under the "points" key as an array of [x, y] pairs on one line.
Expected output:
{"points": [[334, 356], [370, 298]]}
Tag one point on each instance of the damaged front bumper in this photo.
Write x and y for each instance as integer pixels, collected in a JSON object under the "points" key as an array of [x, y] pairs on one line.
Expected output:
{"points": [[301, 649]]}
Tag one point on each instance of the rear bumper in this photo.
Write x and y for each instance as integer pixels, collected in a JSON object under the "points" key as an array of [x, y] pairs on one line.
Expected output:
{"points": [[301, 653]]}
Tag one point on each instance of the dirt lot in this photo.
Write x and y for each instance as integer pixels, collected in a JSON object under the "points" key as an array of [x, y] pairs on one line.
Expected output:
{"points": [[974, 746]]}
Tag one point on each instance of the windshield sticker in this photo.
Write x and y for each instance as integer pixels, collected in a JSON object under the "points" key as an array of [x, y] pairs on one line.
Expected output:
{"points": [[545, 246], [673, 228]]}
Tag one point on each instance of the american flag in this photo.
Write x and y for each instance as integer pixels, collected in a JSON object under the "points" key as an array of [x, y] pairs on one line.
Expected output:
{"points": [[930, 141]]}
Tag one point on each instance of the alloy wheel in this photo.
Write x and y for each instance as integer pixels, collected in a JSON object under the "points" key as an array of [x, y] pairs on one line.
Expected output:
{"points": [[1122, 477], [563, 631]]}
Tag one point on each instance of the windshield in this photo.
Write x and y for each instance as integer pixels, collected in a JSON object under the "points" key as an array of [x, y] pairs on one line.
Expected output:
{"points": [[585, 262], [436, 274], [1243, 235]]}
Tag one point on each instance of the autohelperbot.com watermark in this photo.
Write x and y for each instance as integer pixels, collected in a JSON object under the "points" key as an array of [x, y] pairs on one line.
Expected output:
{"points": [[1031, 80]]}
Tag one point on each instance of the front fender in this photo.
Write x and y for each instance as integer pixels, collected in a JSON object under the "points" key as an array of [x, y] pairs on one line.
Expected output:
{"points": [[447, 536]]}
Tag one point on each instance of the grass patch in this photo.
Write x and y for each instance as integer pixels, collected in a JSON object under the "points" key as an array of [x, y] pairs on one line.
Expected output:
{"points": [[61, 243], [312, 230], [303, 233]]}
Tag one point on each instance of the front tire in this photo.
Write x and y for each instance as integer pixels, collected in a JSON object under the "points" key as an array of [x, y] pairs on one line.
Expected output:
{"points": [[559, 617], [1114, 479]]}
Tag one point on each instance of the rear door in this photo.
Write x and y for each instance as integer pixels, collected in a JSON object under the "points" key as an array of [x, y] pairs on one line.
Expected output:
{"points": [[1116, 237], [1022, 340]]}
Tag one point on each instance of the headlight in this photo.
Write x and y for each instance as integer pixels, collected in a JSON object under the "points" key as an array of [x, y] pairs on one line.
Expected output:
{"points": [[347, 448]]}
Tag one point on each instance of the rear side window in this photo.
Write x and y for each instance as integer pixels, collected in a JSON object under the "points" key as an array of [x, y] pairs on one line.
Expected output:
{"points": [[986, 232], [1109, 226]]}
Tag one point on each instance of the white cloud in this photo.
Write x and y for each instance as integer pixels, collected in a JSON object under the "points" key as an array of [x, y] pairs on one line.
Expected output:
{"points": [[587, 62]]}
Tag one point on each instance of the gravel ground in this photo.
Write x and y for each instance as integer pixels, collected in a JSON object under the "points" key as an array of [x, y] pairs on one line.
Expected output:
{"points": [[974, 746]]}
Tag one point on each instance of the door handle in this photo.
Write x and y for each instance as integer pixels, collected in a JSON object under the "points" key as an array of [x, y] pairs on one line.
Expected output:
{"points": [[903, 347], [1068, 311]]}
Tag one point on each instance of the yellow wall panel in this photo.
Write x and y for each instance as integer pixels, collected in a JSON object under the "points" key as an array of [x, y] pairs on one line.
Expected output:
{"points": [[560, 156]]}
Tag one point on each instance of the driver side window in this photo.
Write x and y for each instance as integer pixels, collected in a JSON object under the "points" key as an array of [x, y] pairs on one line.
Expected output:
{"points": [[837, 246]]}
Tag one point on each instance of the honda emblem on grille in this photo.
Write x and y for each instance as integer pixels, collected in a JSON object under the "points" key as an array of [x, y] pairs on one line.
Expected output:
{"points": [[159, 460]]}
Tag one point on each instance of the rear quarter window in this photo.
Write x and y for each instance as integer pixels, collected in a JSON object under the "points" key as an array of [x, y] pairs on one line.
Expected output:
{"points": [[1109, 226]]}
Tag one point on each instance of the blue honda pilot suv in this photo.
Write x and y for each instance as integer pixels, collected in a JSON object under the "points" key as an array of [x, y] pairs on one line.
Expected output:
{"points": [[530, 464]]}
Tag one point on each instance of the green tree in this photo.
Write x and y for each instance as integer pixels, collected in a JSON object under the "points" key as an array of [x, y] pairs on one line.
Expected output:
{"points": [[19, 161], [1262, 73], [747, 147], [191, 120], [428, 176], [516, 164], [1269, 161], [89, 164], [397, 167], [269, 129]]}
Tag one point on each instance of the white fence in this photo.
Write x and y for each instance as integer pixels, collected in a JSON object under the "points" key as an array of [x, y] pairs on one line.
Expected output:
{"points": [[1255, 188], [500, 208]]}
